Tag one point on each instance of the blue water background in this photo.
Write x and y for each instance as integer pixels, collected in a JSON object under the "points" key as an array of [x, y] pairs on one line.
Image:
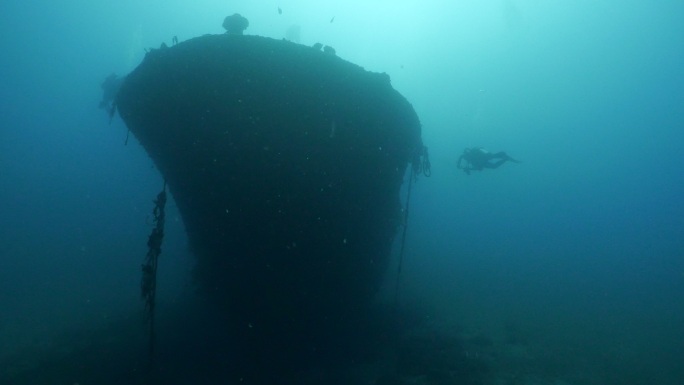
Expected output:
{"points": [[578, 250]]}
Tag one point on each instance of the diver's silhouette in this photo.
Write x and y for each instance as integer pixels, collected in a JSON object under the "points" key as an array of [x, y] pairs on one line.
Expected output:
{"points": [[477, 158], [110, 88]]}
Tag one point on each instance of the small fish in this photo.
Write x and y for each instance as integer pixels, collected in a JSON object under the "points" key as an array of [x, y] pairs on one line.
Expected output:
{"points": [[333, 19], [280, 11]]}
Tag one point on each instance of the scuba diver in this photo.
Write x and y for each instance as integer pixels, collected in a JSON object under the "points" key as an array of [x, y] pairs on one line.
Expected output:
{"points": [[110, 88], [477, 158]]}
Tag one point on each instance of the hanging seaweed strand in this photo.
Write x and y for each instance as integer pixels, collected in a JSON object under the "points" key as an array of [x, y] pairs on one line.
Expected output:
{"points": [[148, 284]]}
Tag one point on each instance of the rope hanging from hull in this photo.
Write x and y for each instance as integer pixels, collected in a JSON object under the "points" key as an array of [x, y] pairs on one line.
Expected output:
{"points": [[148, 284], [420, 165]]}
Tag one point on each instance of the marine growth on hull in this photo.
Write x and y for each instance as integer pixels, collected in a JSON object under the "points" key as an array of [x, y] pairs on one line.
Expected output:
{"points": [[286, 163]]}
